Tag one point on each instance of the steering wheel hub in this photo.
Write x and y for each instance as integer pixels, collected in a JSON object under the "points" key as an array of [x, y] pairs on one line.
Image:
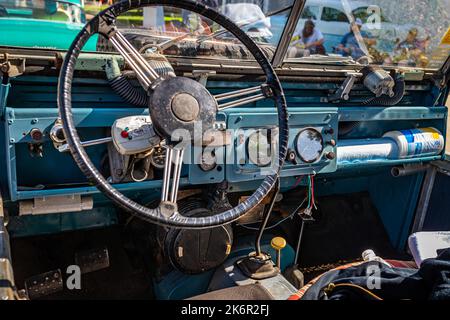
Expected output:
{"points": [[180, 103], [185, 107]]}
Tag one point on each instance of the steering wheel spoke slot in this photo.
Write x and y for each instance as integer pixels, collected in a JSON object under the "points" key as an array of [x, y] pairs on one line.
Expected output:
{"points": [[243, 96], [172, 173], [146, 75]]}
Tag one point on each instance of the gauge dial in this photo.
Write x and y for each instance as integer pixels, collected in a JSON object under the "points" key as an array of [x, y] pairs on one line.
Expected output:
{"points": [[158, 158], [309, 145], [259, 148]]}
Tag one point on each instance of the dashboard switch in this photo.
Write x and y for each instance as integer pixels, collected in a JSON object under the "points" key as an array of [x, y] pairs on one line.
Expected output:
{"points": [[36, 134], [291, 156], [328, 131]]}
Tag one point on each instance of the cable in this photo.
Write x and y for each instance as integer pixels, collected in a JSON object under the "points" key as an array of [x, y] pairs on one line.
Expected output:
{"points": [[313, 193], [277, 223], [332, 287], [309, 192], [297, 182]]}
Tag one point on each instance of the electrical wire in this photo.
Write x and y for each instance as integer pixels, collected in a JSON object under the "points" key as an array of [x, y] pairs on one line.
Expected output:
{"points": [[297, 182], [294, 212], [309, 192], [313, 193], [311, 203]]}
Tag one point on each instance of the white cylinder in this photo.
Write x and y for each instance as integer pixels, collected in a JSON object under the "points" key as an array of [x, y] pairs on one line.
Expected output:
{"points": [[417, 142], [362, 150]]}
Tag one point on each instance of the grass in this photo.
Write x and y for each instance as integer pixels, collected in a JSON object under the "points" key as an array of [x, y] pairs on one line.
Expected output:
{"points": [[132, 15]]}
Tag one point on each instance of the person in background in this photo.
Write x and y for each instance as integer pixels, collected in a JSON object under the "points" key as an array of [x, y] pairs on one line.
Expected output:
{"points": [[350, 46], [196, 22], [412, 50], [412, 42], [310, 40]]}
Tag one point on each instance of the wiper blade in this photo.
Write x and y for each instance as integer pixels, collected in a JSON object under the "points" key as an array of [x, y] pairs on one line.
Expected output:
{"points": [[317, 58]]}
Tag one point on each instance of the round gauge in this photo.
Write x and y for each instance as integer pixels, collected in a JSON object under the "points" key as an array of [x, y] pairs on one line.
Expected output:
{"points": [[259, 148], [309, 145], [158, 158], [208, 161]]}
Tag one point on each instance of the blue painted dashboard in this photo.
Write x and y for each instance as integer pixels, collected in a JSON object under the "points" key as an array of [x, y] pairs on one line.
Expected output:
{"points": [[31, 104]]}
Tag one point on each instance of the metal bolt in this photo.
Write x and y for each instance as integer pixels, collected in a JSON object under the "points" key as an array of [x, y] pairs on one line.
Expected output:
{"points": [[35, 120]]}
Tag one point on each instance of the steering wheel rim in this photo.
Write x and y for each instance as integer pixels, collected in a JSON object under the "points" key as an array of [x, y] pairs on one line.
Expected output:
{"points": [[93, 175]]}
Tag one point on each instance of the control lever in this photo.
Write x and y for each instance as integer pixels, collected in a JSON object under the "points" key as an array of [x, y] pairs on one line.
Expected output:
{"points": [[258, 265], [343, 93], [65, 147], [278, 243]]}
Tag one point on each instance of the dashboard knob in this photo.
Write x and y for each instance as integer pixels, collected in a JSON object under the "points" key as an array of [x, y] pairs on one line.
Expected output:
{"points": [[330, 155], [278, 243], [291, 156], [328, 131], [332, 142]]}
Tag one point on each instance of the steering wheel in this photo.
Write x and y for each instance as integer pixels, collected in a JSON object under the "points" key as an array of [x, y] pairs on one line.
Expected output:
{"points": [[175, 102]]}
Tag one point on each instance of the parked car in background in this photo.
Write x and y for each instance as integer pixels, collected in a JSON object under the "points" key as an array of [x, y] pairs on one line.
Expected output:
{"points": [[42, 23], [333, 21]]}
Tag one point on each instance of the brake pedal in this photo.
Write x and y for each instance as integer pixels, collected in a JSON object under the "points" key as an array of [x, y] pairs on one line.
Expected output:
{"points": [[92, 260]]}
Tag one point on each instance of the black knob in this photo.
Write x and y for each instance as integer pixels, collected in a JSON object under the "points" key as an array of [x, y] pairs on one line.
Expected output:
{"points": [[36, 134], [291, 156], [330, 155], [328, 131]]}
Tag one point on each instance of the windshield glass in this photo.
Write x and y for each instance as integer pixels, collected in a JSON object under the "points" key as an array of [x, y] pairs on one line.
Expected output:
{"points": [[165, 29], [409, 33]]}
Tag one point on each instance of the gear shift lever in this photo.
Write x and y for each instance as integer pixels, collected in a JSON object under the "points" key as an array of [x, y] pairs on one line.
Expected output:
{"points": [[258, 264]]}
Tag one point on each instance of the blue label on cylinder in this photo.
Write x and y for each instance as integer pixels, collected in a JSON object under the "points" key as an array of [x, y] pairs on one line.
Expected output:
{"points": [[409, 135]]}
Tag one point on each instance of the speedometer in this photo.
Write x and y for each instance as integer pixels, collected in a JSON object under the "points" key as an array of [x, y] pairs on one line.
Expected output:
{"points": [[259, 148], [309, 145]]}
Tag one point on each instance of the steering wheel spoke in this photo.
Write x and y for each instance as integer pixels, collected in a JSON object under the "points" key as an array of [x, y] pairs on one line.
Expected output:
{"points": [[144, 72], [172, 173], [244, 96]]}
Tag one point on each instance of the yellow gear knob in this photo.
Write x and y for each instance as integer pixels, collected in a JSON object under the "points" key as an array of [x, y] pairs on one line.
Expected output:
{"points": [[278, 243]]}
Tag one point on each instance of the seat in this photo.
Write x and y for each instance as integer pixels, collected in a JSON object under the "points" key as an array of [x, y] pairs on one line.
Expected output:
{"points": [[425, 245]]}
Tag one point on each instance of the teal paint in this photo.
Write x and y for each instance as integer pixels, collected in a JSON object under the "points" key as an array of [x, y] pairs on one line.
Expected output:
{"points": [[4, 90]]}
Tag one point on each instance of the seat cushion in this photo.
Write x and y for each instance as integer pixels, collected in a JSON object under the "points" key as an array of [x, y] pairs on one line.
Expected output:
{"points": [[425, 245], [247, 292]]}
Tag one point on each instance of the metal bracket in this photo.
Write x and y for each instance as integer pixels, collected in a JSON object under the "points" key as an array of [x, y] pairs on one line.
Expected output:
{"points": [[11, 67], [56, 204], [8, 290], [424, 200], [343, 93], [202, 75]]}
